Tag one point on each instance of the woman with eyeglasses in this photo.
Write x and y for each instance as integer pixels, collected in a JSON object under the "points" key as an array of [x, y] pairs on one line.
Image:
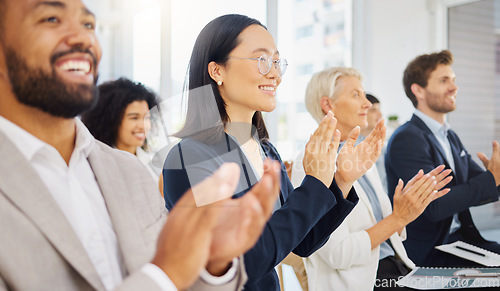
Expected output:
{"points": [[234, 71]]}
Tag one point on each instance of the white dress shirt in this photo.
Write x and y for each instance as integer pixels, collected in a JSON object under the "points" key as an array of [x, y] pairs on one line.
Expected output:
{"points": [[75, 189]]}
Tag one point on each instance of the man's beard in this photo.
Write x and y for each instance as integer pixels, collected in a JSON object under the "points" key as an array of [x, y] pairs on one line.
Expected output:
{"points": [[46, 91], [438, 103]]}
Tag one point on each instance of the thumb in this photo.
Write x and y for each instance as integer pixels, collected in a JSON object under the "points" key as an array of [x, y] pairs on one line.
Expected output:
{"points": [[483, 158], [353, 136], [399, 188]]}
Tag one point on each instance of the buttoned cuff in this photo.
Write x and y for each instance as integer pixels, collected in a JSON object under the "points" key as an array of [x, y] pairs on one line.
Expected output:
{"points": [[220, 280], [159, 277]]}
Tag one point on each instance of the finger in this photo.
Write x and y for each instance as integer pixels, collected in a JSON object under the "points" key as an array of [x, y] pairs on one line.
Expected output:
{"points": [[441, 193], [336, 141], [418, 186], [443, 175], [316, 137], [436, 170], [435, 195], [496, 147], [323, 124], [219, 186], [383, 130], [444, 182], [483, 159], [427, 188], [399, 188], [353, 136], [378, 133], [330, 130], [415, 178]]}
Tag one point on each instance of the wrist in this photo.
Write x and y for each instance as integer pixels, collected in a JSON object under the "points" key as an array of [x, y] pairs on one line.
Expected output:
{"points": [[343, 185], [399, 222]]}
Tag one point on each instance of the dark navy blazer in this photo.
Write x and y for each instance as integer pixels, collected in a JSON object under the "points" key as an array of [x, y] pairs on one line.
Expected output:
{"points": [[303, 223], [413, 147]]}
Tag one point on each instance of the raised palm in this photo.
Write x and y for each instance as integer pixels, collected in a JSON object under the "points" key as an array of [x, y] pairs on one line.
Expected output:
{"points": [[354, 160]]}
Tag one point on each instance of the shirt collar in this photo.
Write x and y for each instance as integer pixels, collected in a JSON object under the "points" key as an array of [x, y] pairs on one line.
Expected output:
{"points": [[29, 145], [436, 127]]}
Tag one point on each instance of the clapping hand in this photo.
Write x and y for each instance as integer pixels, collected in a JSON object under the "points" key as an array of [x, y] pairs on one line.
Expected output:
{"points": [[353, 161], [210, 236], [321, 150], [419, 192]]}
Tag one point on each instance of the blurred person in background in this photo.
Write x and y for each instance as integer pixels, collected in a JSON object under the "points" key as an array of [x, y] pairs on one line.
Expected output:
{"points": [[372, 117], [121, 119]]}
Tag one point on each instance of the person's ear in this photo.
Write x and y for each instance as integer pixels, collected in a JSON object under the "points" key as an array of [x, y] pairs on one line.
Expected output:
{"points": [[327, 104], [418, 91], [216, 72]]}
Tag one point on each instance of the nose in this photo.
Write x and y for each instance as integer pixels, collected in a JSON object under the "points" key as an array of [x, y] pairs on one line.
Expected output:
{"points": [[454, 87], [366, 103], [273, 72]]}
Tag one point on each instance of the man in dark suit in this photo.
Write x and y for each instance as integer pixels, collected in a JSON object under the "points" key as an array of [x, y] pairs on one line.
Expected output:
{"points": [[425, 142]]}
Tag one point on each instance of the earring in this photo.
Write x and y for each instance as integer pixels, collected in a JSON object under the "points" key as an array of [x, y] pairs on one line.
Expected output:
{"points": [[219, 83]]}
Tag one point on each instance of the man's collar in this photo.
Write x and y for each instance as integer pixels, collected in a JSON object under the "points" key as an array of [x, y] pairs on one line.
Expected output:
{"points": [[432, 124], [29, 145]]}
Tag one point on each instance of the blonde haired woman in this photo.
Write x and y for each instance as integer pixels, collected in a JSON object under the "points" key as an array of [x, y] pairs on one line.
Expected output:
{"points": [[372, 232]]}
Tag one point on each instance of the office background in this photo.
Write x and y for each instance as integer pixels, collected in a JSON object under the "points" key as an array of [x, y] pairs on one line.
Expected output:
{"points": [[151, 40]]}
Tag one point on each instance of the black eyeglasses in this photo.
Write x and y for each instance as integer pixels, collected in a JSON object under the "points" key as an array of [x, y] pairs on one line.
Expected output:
{"points": [[265, 64]]}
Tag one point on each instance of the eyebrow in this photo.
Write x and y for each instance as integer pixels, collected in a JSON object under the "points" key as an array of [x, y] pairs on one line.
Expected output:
{"points": [[265, 51], [60, 5], [55, 4]]}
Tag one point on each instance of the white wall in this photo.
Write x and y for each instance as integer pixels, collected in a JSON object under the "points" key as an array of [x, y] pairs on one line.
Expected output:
{"points": [[389, 35]]}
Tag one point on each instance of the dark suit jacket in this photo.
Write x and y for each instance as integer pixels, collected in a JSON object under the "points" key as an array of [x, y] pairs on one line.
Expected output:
{"points": [[303, 223], [412, 147]]}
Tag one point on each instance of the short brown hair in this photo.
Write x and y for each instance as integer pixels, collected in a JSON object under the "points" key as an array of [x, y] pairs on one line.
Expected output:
{"points": [[419, 70]]}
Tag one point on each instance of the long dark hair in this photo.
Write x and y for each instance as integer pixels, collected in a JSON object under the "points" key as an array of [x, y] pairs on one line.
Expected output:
{"points": [[104, 120], [214, 43]]}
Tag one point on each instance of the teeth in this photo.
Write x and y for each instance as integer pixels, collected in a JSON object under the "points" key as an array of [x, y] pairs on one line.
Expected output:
{"points": [[267, 88], [79, 67]]}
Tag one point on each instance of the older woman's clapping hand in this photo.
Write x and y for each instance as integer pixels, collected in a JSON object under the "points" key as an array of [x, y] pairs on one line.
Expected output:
{"points": [[353, 161]]}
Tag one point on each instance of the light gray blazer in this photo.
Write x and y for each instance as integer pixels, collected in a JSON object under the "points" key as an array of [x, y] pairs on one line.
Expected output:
{"points": [[40, 251]]}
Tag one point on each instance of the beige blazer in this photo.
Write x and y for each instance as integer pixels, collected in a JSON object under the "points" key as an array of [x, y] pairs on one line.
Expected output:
{"points": [[40, 251]]}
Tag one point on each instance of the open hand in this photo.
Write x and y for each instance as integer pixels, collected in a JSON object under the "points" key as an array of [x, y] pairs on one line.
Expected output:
{"points": [[354, 161], [493, 164], [411, 201], [321, 150], [241, 223], [183, 247]]}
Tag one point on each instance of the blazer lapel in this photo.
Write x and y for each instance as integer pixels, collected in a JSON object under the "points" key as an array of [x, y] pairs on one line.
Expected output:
{"points": [[121, 210], [460, 171], [364, 199], [430, 136], [22, 185]]}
